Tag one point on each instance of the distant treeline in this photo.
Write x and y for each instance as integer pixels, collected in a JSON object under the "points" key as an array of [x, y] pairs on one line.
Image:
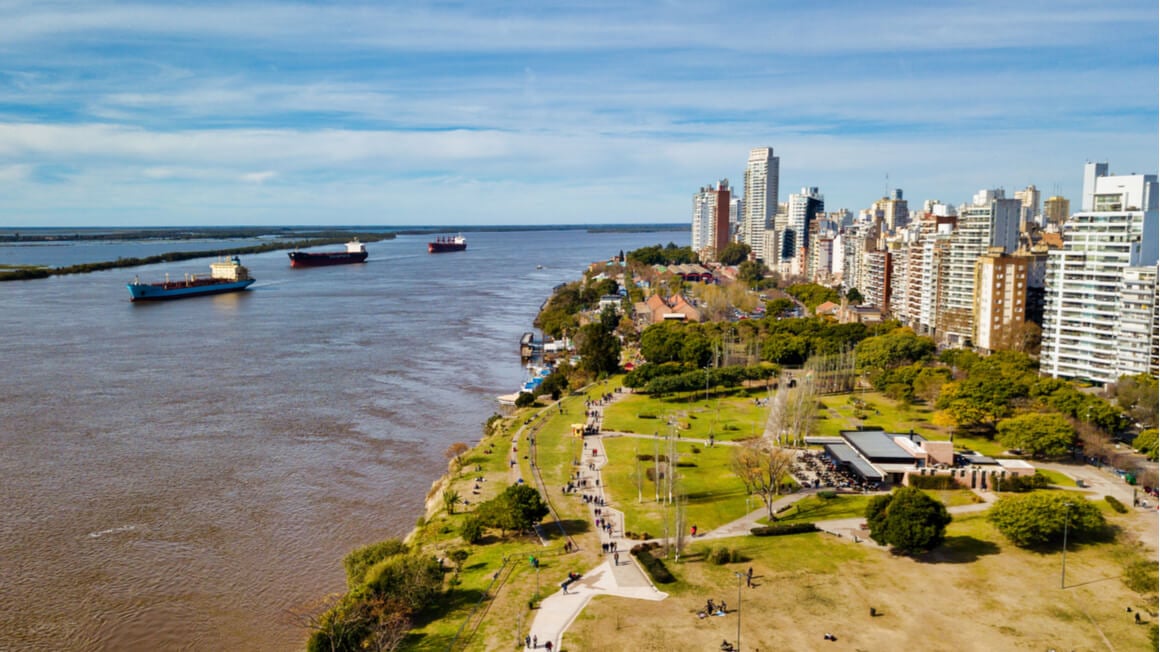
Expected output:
{"points": [[173, 256]]}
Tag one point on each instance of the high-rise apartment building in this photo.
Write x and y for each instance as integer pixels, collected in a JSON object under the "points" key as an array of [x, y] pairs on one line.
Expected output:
{"points": [[1029, 197], [1095, 305], [1056, 210], [1000, 299], [989, 221], [761, 175], [711, 226], [802, 210]]}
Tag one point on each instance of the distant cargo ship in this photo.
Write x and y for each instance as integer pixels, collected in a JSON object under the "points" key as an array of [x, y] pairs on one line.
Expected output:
{"points": [[446, 243], [356, 252], [224, 276]]}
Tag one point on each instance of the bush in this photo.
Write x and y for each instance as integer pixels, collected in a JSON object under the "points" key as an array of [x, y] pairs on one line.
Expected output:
{"points": [[525, 399], [828, 494], [1021, 484], [471, 529], [722, 556], [778, 530], [360, 559], [1116, 504], [655, 567]]}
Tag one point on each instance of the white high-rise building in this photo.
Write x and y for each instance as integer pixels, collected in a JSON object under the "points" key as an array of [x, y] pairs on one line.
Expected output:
{"points": [[990, 221], [1096, 307], [761, 174], [803, 209], [711, 225]]}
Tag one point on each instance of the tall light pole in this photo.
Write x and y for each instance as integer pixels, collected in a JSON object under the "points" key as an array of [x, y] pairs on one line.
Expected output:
{"points": [[1063, 566], [739, 576]]}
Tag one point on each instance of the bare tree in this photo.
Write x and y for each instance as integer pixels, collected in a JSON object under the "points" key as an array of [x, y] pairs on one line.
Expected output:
{"points": [[800, 407], [454, 453], [762, 467]]}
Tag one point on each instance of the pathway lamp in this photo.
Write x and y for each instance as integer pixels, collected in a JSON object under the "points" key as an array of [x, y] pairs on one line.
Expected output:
{"points": [[739, 576], [1063, 565]]}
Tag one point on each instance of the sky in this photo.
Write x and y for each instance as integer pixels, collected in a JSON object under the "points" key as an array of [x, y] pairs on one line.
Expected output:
{"points": [[482, 112]]}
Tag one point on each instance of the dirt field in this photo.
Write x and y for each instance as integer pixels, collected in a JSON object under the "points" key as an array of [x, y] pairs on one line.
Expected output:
{"points": [[977, 593]]}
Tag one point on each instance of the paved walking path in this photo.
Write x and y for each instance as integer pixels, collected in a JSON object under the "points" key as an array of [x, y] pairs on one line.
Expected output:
{"points": [[618, 575]]}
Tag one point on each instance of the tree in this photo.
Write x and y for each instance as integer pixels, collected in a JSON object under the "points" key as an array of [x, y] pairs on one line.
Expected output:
{"points": [[1038, 435], [1139, 396], [908, 520], [1146, 443], [896, 348], [471, 529], [780, 307], [525, 399], [454, 453], [854, 296], [518, 508], [410, 580], [1036, 519], [812, 295], [734, 253], [763, 468], [360, 559], [598, 348], [750, 272]]}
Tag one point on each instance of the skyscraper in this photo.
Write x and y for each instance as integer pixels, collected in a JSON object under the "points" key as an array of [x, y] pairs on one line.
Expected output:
{"points": [[803, 209], [1096, 307], [761, 174], [1056, 210], [711, 225]]}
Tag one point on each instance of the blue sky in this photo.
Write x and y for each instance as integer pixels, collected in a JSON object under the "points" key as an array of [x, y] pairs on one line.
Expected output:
{"points": [[556, 112]]}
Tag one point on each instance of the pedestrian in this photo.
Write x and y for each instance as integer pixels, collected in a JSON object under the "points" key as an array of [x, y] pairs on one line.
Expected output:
{"points": [[749, 577], [528, 641], [693, 530], [616, 562], [548, 646], [535, 641]]}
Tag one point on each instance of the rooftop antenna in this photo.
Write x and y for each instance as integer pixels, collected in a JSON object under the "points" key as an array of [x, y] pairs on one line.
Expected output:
{"points": [[886, 186]]}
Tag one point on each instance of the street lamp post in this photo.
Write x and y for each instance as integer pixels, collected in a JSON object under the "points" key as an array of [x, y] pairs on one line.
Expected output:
{"points": [[739, 576], [1063, 565]]}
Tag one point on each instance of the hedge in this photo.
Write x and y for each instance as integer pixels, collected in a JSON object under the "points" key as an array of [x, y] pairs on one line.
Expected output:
{"points": [[778, 530], [655, 567], [1116, 504], [933, 482]]}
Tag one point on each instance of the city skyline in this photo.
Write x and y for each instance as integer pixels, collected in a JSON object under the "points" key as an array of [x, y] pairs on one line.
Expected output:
{"points": [[346, 113]]}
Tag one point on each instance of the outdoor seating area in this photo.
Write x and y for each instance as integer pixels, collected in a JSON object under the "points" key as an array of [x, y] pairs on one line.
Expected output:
{"points": [[821, 470]]}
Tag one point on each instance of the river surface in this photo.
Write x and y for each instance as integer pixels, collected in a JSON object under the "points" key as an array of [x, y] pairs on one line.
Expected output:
{"points": [[185, 475]]}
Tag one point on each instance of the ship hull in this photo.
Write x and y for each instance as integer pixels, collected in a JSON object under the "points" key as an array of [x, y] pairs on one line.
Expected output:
{"points": [[303, 259], [444, 247], [182, 290]]}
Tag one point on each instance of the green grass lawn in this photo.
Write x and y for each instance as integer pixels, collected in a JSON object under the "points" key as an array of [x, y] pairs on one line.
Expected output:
{"points": [[815, 508], [878, 412], [714, 494], [1055, 477], [727, 416]]}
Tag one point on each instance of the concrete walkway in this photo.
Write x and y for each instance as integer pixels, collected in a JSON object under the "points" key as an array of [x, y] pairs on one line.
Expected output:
{"points": [[618, 575]]}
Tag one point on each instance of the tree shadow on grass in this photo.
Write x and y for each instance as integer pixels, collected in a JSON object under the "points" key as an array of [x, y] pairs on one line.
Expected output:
{"points": [[959, 550], [572, 526]]}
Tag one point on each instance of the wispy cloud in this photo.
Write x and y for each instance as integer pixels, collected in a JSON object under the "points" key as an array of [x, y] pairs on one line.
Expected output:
{"points": [[574, 111]]}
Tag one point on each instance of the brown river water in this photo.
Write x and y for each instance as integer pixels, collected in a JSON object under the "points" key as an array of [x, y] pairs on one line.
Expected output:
{"points": [[185, 475]]}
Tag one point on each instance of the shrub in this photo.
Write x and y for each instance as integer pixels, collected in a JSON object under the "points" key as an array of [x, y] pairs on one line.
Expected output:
{"points": [[360, 559], [721, 556], [471, 529], [1021, 484], [780, 529], [1116, 504], [655, 567], [828, 494]]}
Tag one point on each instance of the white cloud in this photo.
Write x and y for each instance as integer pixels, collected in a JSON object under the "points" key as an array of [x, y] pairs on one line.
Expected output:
{"points": [[258, 177]]}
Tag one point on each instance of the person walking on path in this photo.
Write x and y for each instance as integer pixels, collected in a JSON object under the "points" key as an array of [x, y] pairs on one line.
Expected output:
{"points": [[616, 559], [749, 577]]}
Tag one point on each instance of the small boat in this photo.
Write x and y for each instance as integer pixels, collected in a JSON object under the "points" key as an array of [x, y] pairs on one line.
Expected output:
{"points": [[443, 244], [539, 267], [356, 252], [225, 276]]}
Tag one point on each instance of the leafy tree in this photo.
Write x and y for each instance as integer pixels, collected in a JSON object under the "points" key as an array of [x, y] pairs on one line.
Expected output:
{"points": [[750, 272], [854, 296], [518, 508], [1139, 396], [785, 349], [663, 342], [1038, 435], [1146, 443], [812, 295], [525, 399], [908, 520], [599, 349], [780, 307], [409, 580], [898, 347], [471, 529], [671, 254], [929, 381], [764, 469], [1036, 519], [734, 253], [360, 559]]}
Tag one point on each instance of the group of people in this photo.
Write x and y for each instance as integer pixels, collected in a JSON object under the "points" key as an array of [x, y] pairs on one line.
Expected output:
{"points": [[533, 642], [820, 470]]}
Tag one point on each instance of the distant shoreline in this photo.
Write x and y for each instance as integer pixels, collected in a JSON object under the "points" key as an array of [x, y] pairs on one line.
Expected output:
{"points": [[73, 234]]}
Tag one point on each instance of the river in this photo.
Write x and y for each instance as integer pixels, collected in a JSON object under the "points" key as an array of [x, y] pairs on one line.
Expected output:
{"points": [[184, 475]]}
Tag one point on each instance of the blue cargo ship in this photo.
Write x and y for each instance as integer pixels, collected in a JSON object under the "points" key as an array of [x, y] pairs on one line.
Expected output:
{"points": [[225, 276]]}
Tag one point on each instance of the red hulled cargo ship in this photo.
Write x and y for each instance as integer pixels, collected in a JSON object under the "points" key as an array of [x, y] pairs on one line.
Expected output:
{"points": [[355, 252], [443, 244]]}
